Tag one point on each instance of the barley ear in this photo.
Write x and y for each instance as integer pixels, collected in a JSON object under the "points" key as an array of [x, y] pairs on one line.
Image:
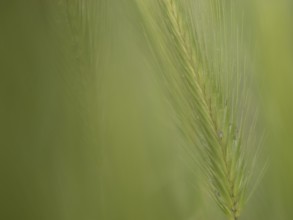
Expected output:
{"points": [[205, 73]]}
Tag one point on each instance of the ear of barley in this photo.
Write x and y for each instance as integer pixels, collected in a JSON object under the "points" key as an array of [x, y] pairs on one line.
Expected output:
{"points": [[207, 85]]}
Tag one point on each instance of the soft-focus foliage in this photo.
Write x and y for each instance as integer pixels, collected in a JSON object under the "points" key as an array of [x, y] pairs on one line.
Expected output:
{"points": [[87, 131]]}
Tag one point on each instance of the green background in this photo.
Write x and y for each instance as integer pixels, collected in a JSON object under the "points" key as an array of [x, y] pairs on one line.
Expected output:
{"points": [[85, 132]]}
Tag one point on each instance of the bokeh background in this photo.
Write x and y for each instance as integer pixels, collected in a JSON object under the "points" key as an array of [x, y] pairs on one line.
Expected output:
{"points": [[85, 131]]}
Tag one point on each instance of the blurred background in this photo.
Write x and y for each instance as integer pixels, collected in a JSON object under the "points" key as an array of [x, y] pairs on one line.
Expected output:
{"points": [[85, 130]]}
